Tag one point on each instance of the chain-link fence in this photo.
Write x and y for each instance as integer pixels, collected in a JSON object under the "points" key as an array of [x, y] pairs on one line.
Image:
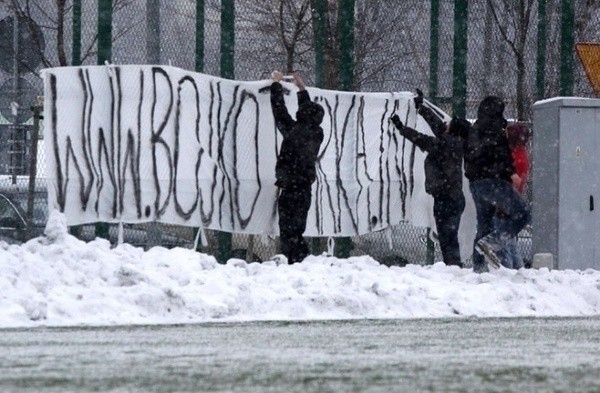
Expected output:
{"points": [[517, 50]]}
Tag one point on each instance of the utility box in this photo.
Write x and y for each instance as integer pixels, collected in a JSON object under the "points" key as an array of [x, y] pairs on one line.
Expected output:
{"points": [[566, 181]]}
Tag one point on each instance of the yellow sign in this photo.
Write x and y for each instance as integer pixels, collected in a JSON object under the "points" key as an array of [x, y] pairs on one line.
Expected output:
{"points": [[589, 54]]}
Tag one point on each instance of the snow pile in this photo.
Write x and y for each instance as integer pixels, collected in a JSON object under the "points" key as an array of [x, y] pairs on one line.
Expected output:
{"points": [[58, 280]]}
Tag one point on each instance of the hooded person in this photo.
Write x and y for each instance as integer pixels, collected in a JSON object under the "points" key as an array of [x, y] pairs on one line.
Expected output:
{"points": [[443, 173], [295, 168], [490, 170], [518, 137]]}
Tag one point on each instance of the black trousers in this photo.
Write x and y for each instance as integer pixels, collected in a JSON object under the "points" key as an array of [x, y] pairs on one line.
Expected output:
{"points": [[447, 210], [292, 206]]}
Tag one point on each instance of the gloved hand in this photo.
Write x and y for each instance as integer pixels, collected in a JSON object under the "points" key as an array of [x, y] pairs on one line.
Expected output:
{"points": [[459, 127], [418, 99], [397, 122]]}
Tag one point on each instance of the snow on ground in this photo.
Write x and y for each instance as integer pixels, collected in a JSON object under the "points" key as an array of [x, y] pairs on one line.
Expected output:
{"points": [[57, 280]]}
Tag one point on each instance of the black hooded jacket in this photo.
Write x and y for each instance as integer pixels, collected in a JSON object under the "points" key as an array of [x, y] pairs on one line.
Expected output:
{"points": [[301, 138], [487, 154], [443, 164]]}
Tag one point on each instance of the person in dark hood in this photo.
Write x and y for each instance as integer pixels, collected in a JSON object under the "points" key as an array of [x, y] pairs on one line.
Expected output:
{"points": [[295, 168], [489, 168], [443, 174]]}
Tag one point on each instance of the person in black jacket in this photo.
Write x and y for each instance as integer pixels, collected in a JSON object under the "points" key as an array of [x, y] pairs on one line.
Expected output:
{"points": [[443, 174], [295, 169], [489, 168]]}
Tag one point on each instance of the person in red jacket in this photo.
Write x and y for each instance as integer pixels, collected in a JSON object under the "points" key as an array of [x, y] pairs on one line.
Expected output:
{"points": [[518, 137]]}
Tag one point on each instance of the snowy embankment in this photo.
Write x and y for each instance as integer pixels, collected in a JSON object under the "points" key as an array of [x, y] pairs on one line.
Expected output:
{"points": [[58, 280]]}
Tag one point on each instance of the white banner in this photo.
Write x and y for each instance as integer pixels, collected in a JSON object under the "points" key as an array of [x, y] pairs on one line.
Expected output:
{"points": [[142, 143]]}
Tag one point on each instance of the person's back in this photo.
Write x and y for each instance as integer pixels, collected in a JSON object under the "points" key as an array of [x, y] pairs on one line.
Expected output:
{"points": [[300, 145], [295, 168], [487, 155], [490, 170], [443, 164]]}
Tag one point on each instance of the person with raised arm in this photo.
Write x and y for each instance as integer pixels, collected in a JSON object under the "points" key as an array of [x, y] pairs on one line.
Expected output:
{"points": [[443, 173], [295, 168]]}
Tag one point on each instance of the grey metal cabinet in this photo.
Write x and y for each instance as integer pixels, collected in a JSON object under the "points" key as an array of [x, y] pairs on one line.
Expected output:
{"points": [[566, 181]]}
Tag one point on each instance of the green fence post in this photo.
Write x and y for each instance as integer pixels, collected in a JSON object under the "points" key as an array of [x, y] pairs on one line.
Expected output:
{"points": [[153, 31], [104, 31], [459, 68], [567, 43], [227, 71], [199, 35], [434, 39], [76, 52], [540, 76], [227, 38], [434, 58], [104, 55], [199, 65], [75, 230], [319, 9], [346, 38]]}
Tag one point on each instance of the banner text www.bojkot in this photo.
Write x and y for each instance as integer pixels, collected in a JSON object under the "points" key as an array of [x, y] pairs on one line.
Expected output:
{"points": [[145, 143]]}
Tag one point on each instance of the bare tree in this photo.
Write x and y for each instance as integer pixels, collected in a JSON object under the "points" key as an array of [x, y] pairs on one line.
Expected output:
{"points": [[384, 42], [390, 45], [299, 15], [276, 34], [331, 47], [513, 19], [51, 16]]}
